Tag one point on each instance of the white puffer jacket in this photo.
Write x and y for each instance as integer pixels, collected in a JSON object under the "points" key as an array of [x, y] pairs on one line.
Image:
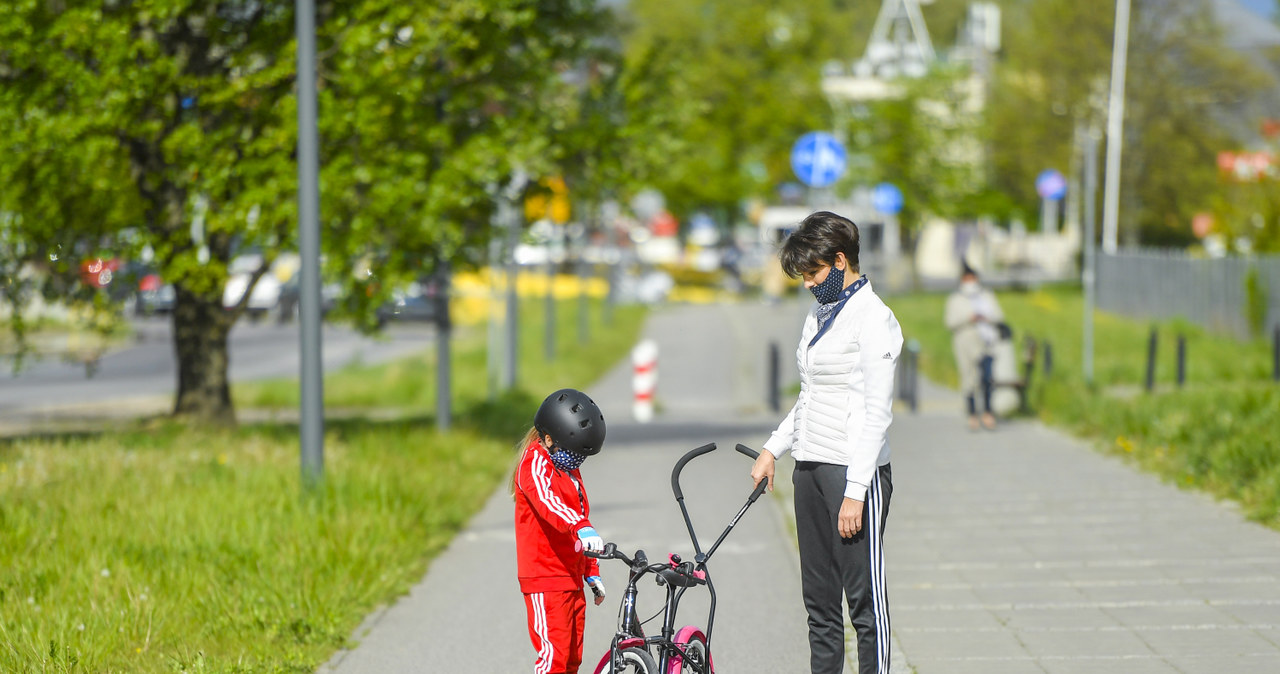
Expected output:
{"points": [[843, 413]]}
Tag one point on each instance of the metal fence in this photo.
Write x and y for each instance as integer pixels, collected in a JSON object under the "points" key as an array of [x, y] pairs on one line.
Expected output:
{"points": [[1209, 292]]}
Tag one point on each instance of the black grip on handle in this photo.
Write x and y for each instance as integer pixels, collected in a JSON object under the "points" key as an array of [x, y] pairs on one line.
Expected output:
{"points": [[689, 456], [763, 483]]}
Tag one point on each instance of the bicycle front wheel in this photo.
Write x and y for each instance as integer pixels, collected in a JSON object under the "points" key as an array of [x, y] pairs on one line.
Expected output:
{"points": [[632, 661], [696, 658]]}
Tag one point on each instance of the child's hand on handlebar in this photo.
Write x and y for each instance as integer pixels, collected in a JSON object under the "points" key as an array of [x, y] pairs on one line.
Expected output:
{"points": [[596, 583], [590, 540], [763, 469]]}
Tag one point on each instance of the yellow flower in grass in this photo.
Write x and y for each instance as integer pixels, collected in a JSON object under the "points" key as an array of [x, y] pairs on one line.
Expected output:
{"points": [[1124, 443]]}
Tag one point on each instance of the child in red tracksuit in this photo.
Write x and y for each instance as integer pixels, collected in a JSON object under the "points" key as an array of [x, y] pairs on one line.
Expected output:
{"points": [[552, 527]]}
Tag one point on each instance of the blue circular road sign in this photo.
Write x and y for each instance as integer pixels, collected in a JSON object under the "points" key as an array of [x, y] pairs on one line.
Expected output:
{"points": [[886, 198], [818, 159], [1051, 185]]}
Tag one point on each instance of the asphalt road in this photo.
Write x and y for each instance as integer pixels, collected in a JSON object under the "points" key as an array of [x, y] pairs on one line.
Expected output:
{"points": [[145, 370]]}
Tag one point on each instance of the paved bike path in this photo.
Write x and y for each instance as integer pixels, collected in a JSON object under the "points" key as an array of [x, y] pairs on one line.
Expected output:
{"points": [[467, 614], [1020, 550]]}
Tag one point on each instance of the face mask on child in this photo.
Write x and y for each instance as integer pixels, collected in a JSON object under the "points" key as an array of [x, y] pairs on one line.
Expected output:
{"points": [[565, 460]]}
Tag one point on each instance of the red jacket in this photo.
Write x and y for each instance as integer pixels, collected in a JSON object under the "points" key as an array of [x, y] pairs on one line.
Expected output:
{"points": [[551, 506]]}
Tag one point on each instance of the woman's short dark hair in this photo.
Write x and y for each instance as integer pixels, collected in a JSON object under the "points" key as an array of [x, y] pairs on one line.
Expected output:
{"points": [[816, 242]]}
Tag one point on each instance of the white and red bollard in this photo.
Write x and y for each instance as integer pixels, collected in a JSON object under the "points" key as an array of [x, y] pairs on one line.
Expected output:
{"points": [[644, 357]]}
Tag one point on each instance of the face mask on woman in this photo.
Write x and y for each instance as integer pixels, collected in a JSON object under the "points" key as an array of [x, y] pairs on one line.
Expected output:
{"points": [[829, 290]]}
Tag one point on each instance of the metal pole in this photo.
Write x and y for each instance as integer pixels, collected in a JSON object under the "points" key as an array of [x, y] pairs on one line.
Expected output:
{"points": [[1182, 360], [551, 310], [1089, 274], [1115, 129], [1151, 361], [312, 375], [1275, 354], [609, 219], [444, 332], [513, 309], [584, 302], [494, 353], [771, 393]]}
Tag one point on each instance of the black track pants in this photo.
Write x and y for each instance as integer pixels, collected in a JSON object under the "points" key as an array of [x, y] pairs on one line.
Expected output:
{"points": [[831, 566]]}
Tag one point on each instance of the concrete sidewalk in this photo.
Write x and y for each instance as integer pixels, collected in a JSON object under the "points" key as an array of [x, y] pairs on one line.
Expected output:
{"points": [[1025, 550], [1019, 550]]}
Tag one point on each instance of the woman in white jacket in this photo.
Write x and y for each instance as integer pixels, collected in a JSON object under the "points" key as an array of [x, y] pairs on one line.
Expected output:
{"points": [[837, 433]]}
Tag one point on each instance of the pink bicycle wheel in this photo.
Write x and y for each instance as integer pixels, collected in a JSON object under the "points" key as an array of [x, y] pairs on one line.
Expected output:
{"points": [[634, 655], [694, 643]]}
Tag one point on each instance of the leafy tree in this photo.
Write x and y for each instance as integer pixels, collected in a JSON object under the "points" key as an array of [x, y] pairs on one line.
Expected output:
{"points": [[624, 124], [754, 73], [926, 142], [146, 117], [1181, 80], [1051, 81], [1184, 83]]}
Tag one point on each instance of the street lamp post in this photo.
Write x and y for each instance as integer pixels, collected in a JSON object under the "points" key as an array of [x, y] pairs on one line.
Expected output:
{"points": [[312, 378], [1115, 129]]}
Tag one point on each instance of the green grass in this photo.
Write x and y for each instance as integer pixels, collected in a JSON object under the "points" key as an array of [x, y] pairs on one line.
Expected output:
{"points": [[1216, 433], [165, 549], [411, 383]]}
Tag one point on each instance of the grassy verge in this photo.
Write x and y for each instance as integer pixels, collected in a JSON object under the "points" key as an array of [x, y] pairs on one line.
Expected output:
{"points": [[410, 383], [1216, 433], [167, 549]]}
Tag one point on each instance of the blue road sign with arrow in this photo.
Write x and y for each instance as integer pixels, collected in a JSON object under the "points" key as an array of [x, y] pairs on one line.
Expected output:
{"points": [[1050, 184], [818, 159], [886, 198]]}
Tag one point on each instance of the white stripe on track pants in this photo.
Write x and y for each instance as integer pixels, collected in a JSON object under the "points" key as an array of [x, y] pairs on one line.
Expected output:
{"points": [[556, 621]]}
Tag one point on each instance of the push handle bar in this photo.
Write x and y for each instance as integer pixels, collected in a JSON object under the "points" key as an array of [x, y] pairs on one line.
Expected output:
{"points": [[691, 455], [763, 483]]}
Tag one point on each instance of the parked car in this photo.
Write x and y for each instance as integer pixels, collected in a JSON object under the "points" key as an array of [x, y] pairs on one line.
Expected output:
{"points": [[265, 297], [290, 296], [419, 301], [99, 272], [154, 296]]}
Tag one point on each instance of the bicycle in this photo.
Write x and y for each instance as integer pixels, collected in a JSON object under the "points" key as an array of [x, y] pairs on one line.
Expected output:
{"points": [[688, 649]]}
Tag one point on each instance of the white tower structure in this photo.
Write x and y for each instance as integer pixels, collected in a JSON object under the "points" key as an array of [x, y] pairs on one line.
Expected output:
{"points": [[899, 47]]}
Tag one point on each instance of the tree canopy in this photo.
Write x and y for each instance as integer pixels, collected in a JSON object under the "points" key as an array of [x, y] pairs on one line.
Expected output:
{"points": [[171, 125]]}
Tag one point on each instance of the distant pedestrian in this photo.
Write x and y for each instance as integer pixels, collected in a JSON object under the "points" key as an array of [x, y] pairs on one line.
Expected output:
{"points": [[837, 432], [552, 526], [974, 317]]}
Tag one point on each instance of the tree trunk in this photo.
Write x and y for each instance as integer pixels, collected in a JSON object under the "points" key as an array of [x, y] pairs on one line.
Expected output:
{"points": [[200, 329]]}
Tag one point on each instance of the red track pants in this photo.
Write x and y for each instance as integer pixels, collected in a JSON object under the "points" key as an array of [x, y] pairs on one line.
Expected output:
{"points": [[556, 622]]}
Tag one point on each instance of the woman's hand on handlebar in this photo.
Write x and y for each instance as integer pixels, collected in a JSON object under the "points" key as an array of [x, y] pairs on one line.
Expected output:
{"points": [[762, 469]]}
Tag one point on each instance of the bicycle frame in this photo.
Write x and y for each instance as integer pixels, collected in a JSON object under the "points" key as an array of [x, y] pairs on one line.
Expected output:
{"points": [[678, 576]]}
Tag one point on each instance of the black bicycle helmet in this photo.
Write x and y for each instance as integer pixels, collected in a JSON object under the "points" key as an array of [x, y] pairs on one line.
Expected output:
{"points": [[572, 420]]}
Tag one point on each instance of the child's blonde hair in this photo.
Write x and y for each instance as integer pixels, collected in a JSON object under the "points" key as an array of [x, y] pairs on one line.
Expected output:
{"points": [[529, 438]]}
